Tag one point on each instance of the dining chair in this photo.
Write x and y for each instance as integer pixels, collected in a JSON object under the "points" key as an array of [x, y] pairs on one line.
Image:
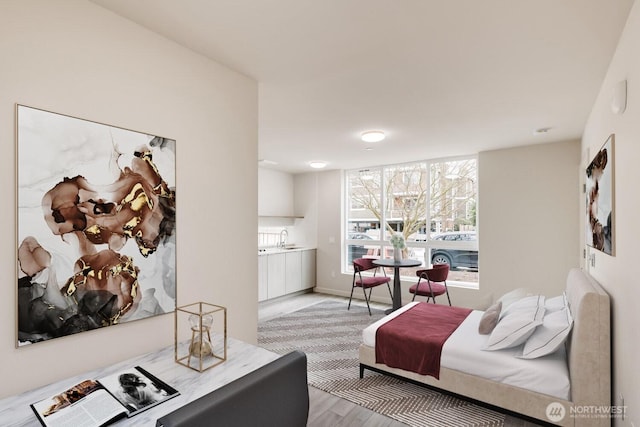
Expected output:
{"points": [[367, 282], [436, 282]]}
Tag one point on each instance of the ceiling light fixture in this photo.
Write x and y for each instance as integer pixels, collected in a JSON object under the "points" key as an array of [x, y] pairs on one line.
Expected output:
{"points": [[318, 164], [541, 131], [372, 136]]}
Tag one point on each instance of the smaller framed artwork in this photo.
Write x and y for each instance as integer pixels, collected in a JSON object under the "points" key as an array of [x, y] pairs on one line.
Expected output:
{"points": [[600, 220]]}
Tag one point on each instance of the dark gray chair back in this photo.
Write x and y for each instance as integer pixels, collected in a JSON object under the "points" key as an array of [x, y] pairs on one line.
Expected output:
{"points": [[275, 395]]}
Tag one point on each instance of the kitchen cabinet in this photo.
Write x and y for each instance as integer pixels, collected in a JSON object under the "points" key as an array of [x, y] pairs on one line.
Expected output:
{"points": [[276, 275], [275, 193], [284, 272], [293, 265]]}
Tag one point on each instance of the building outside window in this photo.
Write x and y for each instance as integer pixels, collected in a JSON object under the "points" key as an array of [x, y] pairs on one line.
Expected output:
{"points": [[432, 203]]}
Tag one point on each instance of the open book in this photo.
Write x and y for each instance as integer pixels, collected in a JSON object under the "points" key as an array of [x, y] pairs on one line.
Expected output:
{"points": [[94, 403]]}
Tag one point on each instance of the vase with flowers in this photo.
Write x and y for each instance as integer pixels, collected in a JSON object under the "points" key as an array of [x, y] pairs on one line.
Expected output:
{"points": [[397, 241]]}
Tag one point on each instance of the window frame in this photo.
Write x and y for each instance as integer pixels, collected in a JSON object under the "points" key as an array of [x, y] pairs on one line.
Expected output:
{"points": [[426, 245]]}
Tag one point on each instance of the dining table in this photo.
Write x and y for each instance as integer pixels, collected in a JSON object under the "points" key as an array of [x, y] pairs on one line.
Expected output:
{"points": [[397, 289]]}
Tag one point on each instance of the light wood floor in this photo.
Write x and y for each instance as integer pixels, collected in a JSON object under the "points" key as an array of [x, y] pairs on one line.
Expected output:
{"points": [[325, 409]]}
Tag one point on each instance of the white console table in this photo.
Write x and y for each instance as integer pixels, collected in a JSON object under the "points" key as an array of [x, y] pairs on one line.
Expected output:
{"points": [[242, 358]]}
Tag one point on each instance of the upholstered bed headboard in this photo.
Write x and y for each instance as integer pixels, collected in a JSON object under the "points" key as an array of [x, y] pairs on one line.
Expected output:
{"points": [[589, 346]]}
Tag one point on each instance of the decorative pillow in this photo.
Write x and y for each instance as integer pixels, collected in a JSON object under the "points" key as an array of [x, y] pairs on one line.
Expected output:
{"points": [[549, 336], [515, 327], [489, 319], [555, 303]]}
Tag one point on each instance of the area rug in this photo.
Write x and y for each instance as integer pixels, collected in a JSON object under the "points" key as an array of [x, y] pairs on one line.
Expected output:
{"points": [[330, 336]]}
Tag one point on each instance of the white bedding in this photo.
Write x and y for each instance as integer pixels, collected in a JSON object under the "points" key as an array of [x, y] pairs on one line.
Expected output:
{"points": [[463, 352]]}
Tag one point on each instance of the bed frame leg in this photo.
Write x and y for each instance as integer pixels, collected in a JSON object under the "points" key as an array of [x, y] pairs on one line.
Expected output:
{"points": [[361, 371]]}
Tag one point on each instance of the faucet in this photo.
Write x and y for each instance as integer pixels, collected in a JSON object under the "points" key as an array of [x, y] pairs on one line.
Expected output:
{"points": [[284, 234]]}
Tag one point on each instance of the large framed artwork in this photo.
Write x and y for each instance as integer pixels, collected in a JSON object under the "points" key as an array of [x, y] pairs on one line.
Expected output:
{"points": [[96, 228], [599, 190]]}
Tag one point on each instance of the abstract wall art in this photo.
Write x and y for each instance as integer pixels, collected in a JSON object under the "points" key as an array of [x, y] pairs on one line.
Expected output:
{"points": [[96, 228], [600, 230]]}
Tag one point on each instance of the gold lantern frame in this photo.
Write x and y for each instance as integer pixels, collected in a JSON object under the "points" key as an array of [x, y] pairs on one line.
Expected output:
{"points": [[199, 335]]}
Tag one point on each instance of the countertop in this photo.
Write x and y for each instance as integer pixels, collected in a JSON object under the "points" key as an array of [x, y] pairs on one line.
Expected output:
{"points": [[242, 358], [286, 249]]}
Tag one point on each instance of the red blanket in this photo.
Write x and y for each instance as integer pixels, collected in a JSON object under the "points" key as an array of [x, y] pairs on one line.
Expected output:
{"points": [[413, 340]]}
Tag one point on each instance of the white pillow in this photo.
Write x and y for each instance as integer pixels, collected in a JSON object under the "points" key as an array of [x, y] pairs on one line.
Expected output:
{"points": [[526, 303], [515, 327], [513, 296], [555, 303], [549, 336]]}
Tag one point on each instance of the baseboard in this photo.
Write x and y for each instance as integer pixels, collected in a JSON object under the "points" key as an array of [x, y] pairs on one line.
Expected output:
{"points": [[356, 295]]}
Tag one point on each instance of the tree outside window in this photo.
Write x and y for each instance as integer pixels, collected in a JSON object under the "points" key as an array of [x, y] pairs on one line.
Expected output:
{"points": [[405, 198]]}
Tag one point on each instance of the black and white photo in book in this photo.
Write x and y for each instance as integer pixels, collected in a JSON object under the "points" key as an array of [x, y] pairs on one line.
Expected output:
{"points": [[137, 390]]}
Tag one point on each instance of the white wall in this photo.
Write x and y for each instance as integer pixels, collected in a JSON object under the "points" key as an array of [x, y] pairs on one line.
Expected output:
{"points": [[618, 274], [328, 276], [75, 58], [527, 207], [306, 205]]}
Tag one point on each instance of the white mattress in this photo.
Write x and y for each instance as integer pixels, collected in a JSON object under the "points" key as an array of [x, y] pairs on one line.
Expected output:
{"points": [[463, 352]]}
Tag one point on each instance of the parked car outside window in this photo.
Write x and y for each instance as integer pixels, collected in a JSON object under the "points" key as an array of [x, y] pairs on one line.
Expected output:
{"points": [[358, 251], [456, 258], [359, 236]]}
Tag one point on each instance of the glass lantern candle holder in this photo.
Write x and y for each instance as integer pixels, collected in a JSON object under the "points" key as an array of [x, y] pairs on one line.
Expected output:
{"points": [[200, 335]]}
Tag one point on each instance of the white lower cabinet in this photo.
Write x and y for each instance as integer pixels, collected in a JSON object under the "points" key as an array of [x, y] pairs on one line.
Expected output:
{"points": [[284, 273], [276, 275], [293, 282]]}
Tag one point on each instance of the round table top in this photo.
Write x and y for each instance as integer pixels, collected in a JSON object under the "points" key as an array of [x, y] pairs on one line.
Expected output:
{"points": [[390, 262]]}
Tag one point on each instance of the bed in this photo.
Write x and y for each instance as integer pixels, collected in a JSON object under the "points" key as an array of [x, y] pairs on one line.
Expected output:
{"points": [[569, 388]]}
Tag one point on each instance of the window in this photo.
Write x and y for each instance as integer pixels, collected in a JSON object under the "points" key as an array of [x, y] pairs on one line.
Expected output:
{"points": [[405, 198]]}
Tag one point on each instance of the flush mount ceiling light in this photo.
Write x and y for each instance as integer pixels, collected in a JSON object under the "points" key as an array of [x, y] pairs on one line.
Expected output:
{"points": [[318, 164], [267, 162], [372, 136], [541, 131]]}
